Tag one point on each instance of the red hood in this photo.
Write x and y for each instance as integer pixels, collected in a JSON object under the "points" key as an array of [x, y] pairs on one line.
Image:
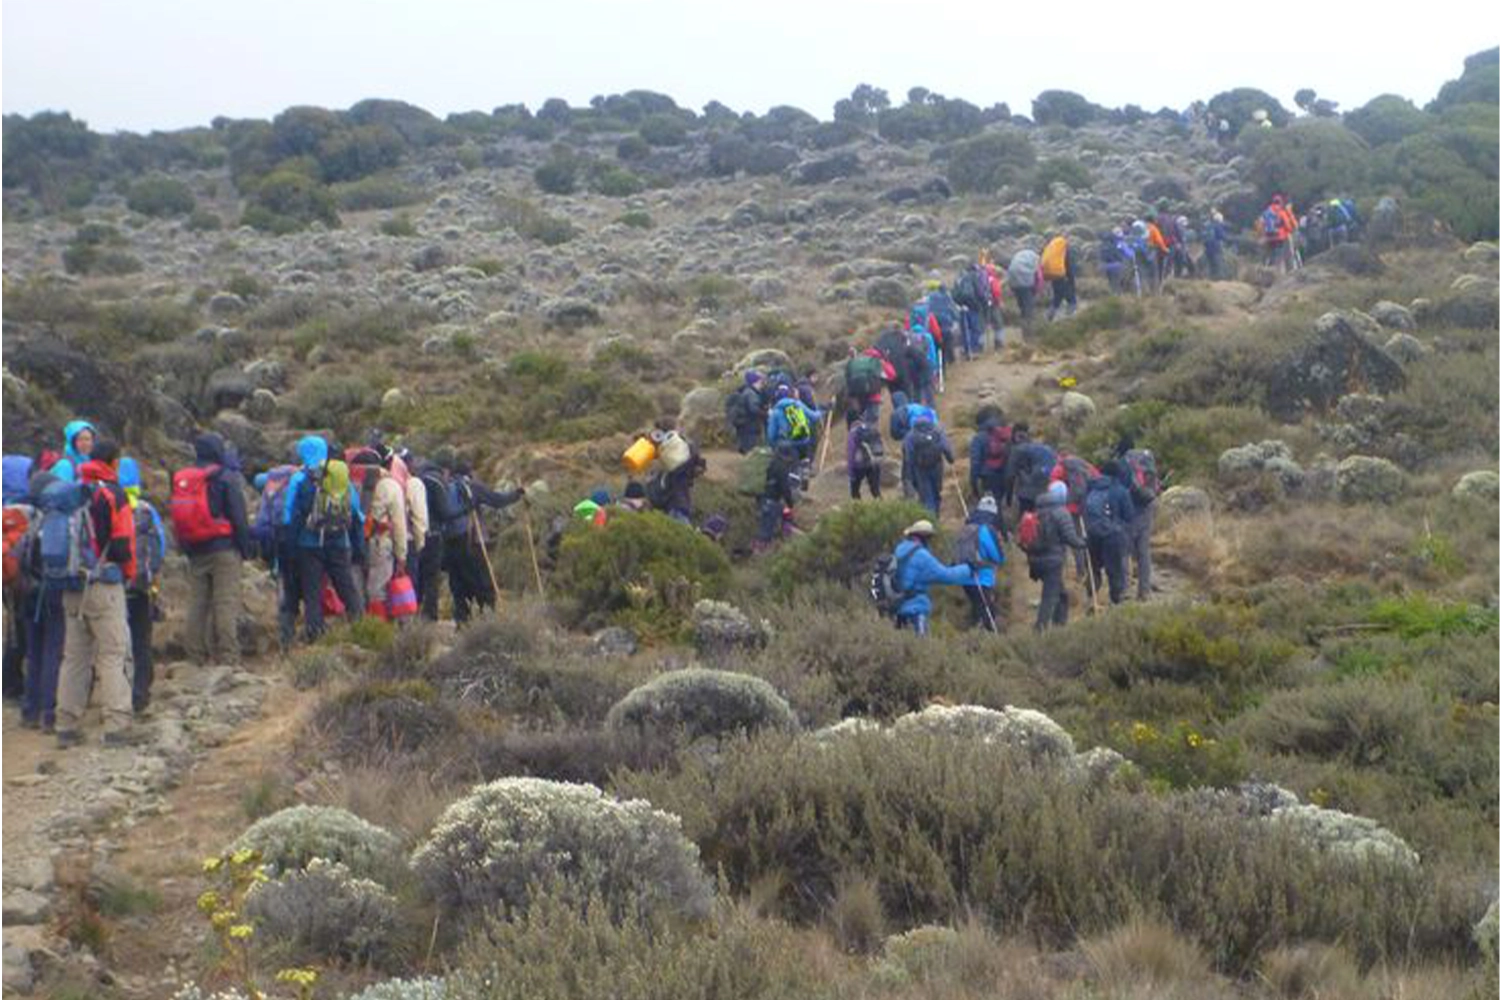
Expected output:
{"points": [[98, 472]]}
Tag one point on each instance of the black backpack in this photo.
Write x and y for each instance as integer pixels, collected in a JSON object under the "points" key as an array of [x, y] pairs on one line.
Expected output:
{"points": [[658, 490], [869, 447], [1099, 515], [927, 446]]}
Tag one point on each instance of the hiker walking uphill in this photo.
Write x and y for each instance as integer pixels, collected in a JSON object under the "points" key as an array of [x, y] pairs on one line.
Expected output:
{"points": [[865, 377], [465, 558], [207, 510], [926, 453], [1138, 467], [979, 547], [971, 290], [793, 421], [915, 569], [326, 525], [140, 592], [1114, 257], [1277, 229], [945, 312], [745, 410], [1075, 473], [90, 553], [989, 454], [1024, 275], [1060, 267], [779, 495], [1045, 534], [1107, 515], [866, 451], [1030, 468]]}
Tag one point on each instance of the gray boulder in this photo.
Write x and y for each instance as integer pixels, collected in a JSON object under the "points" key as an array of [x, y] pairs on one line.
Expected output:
{"points": [[614, 641], [762, 360], [1385, 220], [702, 412], [721, 629], [1340, 359], [223, 304], [1393, 316], [261, 406], [267, 373], [228, 388], [1364, 479], [570, 314], [1406, 349], [1181, 502], [1250, 460], [1482, 485]]}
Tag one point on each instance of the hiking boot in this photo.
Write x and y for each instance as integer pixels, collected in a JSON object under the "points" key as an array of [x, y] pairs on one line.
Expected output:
{"points": [[125, 738], [67, 738]]}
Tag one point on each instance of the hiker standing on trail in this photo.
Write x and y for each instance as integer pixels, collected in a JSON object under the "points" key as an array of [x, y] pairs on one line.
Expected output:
{"points": [[746, 412], [918, 569], [140, 591], [465, 557], [989, 453], [1214, 235], [47, 625], [386, 528], [207, 509], [20, 594], [1030, 470], [1276, 227], [1138, 467], [780, 494], [1024, 275], [1113, 257], [1060, 267], [326, 524], [78, 443], [925, 452], [1107, 515], [979, 547], [865, 452], [865, 377], [793, 421], [102, 552], [1160, 254], [1046, 533]]}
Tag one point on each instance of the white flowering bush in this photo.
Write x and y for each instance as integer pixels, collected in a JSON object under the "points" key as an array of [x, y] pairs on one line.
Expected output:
{"points": [[720, 629], [1487, 936], [1355, 838], [430, 988], [324, 910], [918, 955], [851, 726], [491, 848], [192, 992], [289, 839], [703, 703], [1015, 728]]}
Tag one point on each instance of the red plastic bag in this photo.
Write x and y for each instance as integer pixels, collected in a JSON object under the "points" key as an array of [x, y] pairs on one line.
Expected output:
{"points": [[333, 606], [401, 597]]}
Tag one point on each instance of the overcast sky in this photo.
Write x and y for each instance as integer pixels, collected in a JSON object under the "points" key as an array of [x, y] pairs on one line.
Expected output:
{"points": [[166, 64]]}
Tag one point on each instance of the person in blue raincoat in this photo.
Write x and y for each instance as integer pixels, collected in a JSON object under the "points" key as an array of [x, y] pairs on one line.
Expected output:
{"points": [[78, 443], [917, 569]]}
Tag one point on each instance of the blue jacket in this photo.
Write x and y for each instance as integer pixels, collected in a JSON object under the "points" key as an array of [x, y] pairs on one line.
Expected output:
{"points": [[908, 456], [67, 467], [17, 478], [777, 426], [989, 549], [943, 308], [1119, 502], [1214, 234], [903, 416], [918, 569], [302, 489]]}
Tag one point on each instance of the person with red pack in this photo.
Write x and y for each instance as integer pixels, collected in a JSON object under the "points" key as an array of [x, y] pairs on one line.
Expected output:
{"points": [[207, 510], [99, 563]]}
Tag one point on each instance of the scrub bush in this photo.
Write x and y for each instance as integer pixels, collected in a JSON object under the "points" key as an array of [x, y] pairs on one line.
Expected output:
{"points": [[324, 911], [289, 840], [843, 546], [986, 163], [492, 849], [703, 703], [160, 197], [406, 989]]}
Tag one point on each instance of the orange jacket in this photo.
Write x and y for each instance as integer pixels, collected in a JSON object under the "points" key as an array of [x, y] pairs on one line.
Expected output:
{"points": [[1155, 238]]}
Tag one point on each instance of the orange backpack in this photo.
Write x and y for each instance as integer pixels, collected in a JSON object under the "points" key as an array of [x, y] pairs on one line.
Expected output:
{"points": [[1055, 259], [18, 519]]}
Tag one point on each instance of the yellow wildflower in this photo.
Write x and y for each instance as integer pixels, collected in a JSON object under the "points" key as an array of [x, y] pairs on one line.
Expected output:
{"points": [[1194, 740], [211, 865], [241, 931], [303, 977], [243, 856], [208, 902], [222, 919]]}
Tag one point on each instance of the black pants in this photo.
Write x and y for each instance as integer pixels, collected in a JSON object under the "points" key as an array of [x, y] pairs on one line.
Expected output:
{"points": [[289, 598], [18, 615], [334, 563], [138, 617], [1064, 291], [747, 437], [1054, 606], [982, 613], [870, 475], [1025, 300], [1108, 556], [430, 576], [467, 577]]}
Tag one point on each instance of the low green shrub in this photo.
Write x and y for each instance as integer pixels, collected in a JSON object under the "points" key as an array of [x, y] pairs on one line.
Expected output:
{"points": [[1419, 615], [493, 849], [843, 546], [702, 703], [382, 717], [636, 219], [323, 911], [377, 191], [400, 225], [533, 223], [289, 840], [160, 197]]}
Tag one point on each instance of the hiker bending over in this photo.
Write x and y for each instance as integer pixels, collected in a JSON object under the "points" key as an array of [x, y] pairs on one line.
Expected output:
{"points": [[916, 570]]}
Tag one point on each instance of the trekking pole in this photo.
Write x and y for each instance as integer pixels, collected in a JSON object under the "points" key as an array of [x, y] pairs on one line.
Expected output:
{"points": [[959, 486], [536, 569], [1088, 566], [941, 386], [484, 550], [827, 437]]}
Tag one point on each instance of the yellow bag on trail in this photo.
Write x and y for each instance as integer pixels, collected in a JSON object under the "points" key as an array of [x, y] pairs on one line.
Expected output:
{"points": [[1055, 259], [639, 456]]}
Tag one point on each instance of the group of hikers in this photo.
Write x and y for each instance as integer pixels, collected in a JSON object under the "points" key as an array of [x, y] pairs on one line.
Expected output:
{"points": [[347, 531], [1286, 237]]}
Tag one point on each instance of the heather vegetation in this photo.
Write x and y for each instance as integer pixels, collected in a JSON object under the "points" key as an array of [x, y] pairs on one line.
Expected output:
{"points": [[671, 763]]}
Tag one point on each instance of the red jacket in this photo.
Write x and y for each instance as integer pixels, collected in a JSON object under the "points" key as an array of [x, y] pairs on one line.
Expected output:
{"points": [[113, 519]]}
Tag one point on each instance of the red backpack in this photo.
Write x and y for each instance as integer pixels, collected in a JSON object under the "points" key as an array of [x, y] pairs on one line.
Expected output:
{"points": [[18, 520], [1029, 531], [997, 449], [192, 521]]}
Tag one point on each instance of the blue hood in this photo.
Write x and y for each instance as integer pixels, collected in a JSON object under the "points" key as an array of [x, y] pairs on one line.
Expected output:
{"points": [[71, 431], [917, 413], [17, 476], [130, 473], [312, 451]]}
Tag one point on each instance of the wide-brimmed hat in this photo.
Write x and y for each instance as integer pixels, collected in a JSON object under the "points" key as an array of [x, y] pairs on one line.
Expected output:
{"points": [[923, 529]]}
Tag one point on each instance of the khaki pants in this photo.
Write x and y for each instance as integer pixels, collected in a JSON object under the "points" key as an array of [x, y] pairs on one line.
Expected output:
{"points": [[380, 559], [94, 654], [213, 615]]}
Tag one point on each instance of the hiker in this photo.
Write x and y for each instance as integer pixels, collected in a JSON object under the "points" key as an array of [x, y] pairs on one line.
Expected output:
{"points": [[78, 444], [892, 346], [20, 594], [1276, 232], [1142, 257], [1160, 253], [865, 377], [1029, 468], [207, 509], [989, 452], [745, 410], [1174, 236], [793, 421], [1214, 235], [1060, 267], [141, 590], [919, 317], [1024, 275], [1182, 260], [779, 496], [46, 619], [434, 474], [326, 524], [465, 552], [1138, 467], [979, 547], [96, 562], [385, 527], [1343, 220], [916, 570], [924, 452], [1045, 534], [1107, 514], [971, 291], [952, 330], [993, 315], [1113, 256], [1076, 473], [398, 463], [278, 548], [634, 497], [865, 452]]}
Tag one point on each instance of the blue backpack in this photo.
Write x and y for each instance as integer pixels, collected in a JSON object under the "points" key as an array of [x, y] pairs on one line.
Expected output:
{"points": [[1099, 515], [17, 477], [65, 541], [1270, 223]]}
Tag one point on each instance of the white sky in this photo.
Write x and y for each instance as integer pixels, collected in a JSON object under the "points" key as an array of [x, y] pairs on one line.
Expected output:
{"points": [[166, 64]]}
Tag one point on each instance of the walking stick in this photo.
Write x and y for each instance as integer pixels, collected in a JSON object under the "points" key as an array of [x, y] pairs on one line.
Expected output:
{"points": [[484, 550], [536, 570], [1088, 567], [827, 437], [959, 486]]}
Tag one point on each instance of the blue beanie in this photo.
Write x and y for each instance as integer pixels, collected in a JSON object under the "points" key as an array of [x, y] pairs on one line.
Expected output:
{"points": [[130, 473]]}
